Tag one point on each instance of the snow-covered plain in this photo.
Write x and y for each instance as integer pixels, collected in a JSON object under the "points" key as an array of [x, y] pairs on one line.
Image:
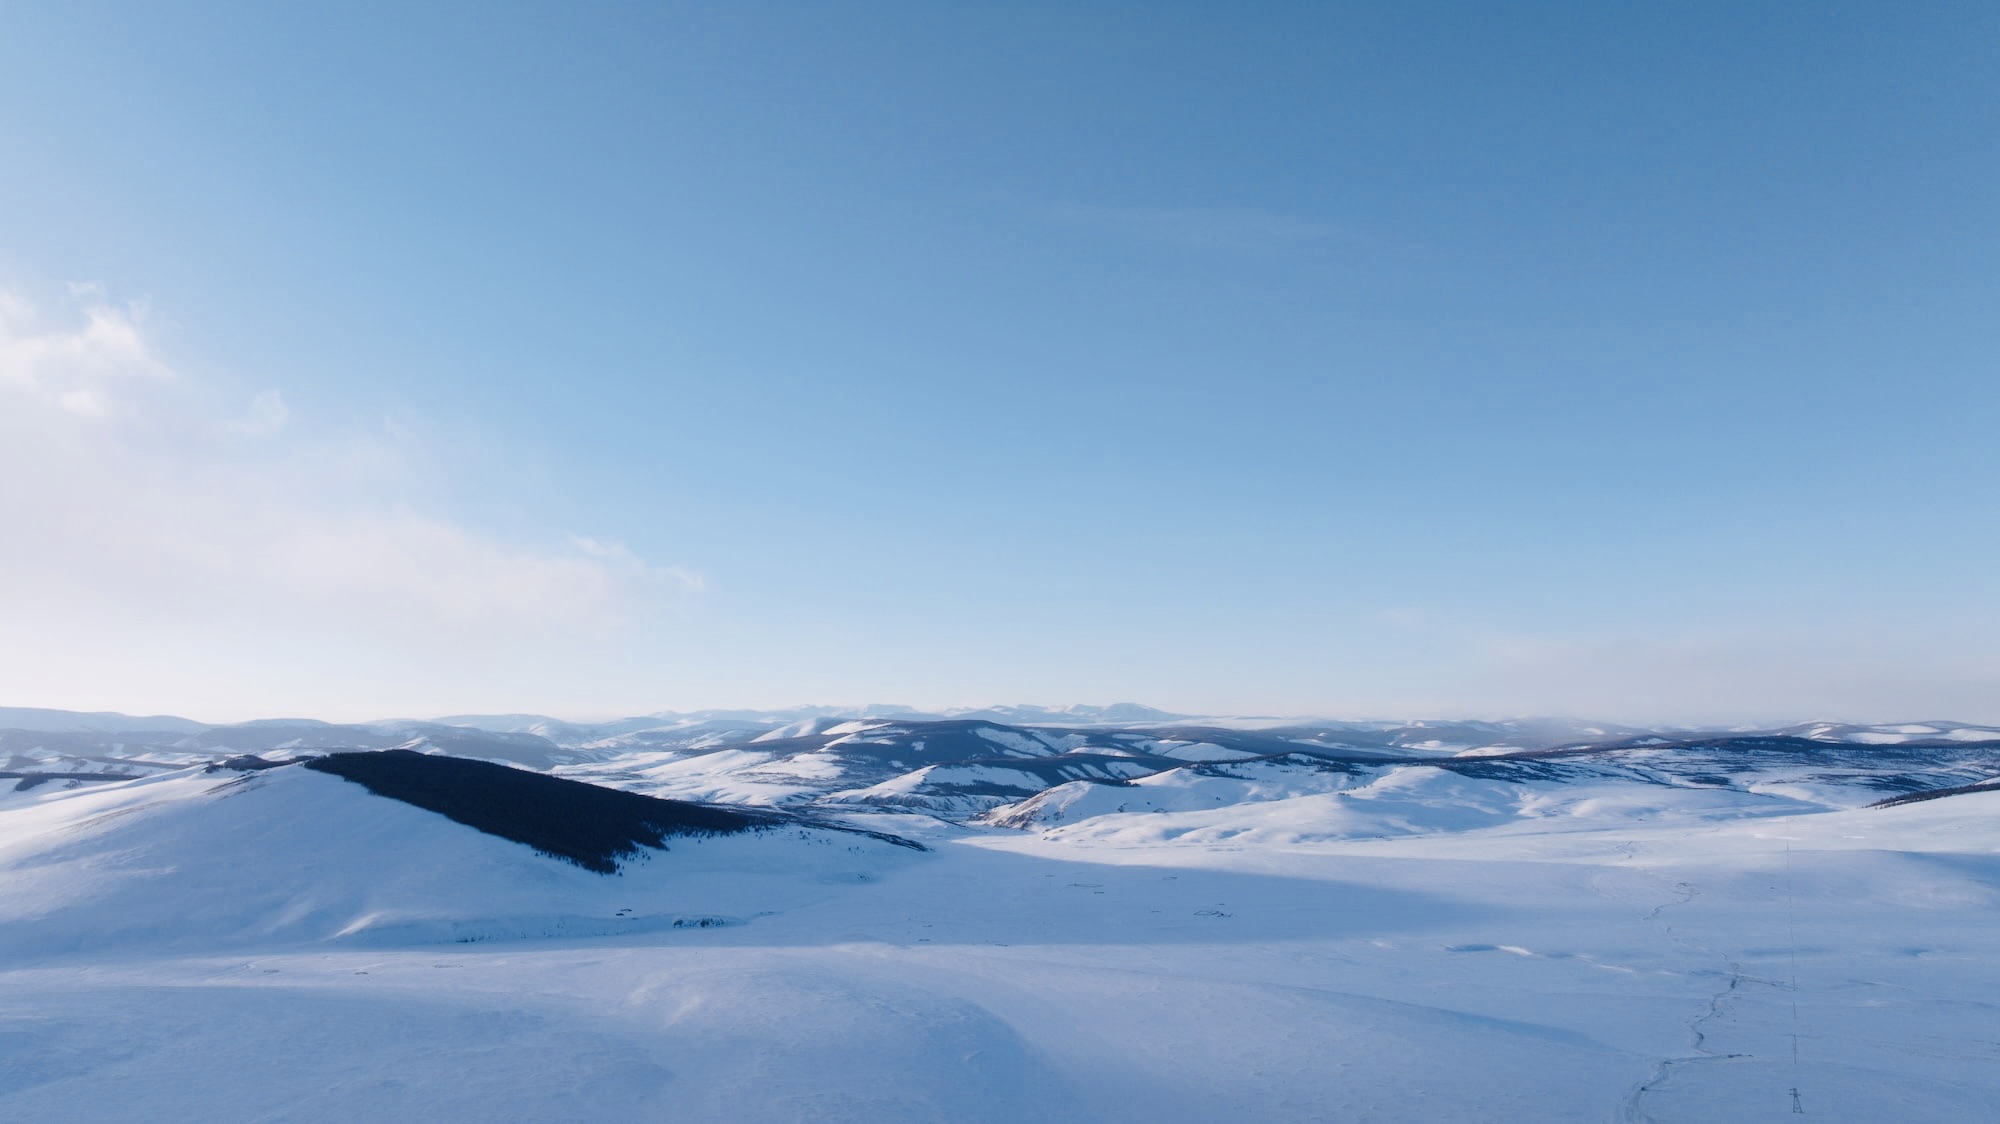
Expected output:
{"points": [[1246, 943]]}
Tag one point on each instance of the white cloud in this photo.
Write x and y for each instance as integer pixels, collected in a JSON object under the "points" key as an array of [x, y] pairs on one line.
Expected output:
{"points": [[143, 524], [80, 369]]}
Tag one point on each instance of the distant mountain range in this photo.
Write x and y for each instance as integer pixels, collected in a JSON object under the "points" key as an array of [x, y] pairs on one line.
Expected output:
{"points": [[79, 722], [1026, 766]]}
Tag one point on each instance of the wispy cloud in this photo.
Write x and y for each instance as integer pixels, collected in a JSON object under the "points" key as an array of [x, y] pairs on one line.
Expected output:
{"points": [[265, 417], [80, 368], [1225, 229], [145, 512]]}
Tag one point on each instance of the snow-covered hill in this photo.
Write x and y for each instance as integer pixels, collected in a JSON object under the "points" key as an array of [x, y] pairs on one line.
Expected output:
{"points": [[205, 859], [1676, 931], [1737, 775]]}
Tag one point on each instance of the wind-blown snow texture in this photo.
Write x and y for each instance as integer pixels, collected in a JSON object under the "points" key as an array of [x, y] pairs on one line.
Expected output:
{"points": [[1132, 918]]}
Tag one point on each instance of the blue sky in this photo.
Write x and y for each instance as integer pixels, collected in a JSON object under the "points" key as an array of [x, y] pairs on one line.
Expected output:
{"points": [[1631, 361]]}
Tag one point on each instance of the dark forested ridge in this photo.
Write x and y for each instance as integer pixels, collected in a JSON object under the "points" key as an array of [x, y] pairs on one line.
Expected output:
{"points": [[586, 824]]}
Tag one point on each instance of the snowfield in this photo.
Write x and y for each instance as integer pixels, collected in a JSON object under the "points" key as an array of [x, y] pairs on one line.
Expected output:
{"points": [[1636, 937]]}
